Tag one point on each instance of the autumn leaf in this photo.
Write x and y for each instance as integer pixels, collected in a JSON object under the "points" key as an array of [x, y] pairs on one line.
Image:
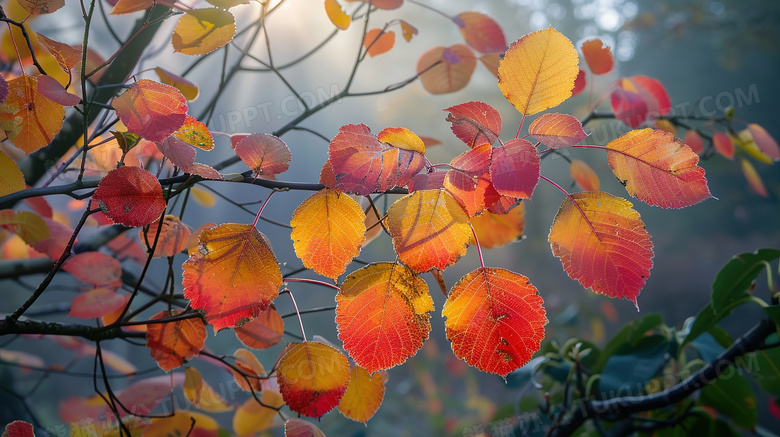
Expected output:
{"points": [[753, 178], [468, 180], [446, 69], [29, 119], [41, 7], [18, 428], [402, 138], [694, 141], [495, 320], [200, 394], [233, 276], [598, 56], [264, 331], [481, 32], [475, 123], [264, 154], [129, 6], [363, 396], [151, 109], [250, 372], [764, 141], [378, 41], [407, 30], [723, 144], [429, 229], [382, 315], [28, 225], [583, 175], [95, 268], [328, 231], [67, 56], [96, 302], [182, 423], [195, 133], [11, 177], [173, 343], [187, 88], [638, 98], [362, 164], [301, 428], [337, 16], [602, 243], [538, 71], [557, 130], [227, 4], [514, 169], [579, 84], [312, 377], [183, 156], [173, 238], [201, 31], [495, 230], [130, 196], [49, 88], [658, 169], [253, 417]]}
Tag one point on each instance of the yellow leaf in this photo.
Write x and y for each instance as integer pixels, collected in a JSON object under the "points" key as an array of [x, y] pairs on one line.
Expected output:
{"points": [[494, 230], [363, 396], [203, 197], [182, 423], [252, 417], [538, 71], [28, 225], [328, 231], [337, 16], [201, 394], [402, 138], [29, 120], [202, 31], [188, 89], [11, 178]]}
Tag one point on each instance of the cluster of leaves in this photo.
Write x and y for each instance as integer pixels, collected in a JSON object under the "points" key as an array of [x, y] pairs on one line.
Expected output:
{"points": [[494, 317]]}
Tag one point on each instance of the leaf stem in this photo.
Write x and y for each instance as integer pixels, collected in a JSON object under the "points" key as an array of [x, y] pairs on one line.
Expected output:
{"points": [[312, 281], [297, 312], [262, 207], [479, 249]]}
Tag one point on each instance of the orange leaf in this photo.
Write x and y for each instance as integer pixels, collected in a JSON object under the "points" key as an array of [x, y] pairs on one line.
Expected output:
{"points": [[130, 196], [585, 177], [475, 123], [468, 180], [328, 230], [363, 396], [753, 178], [128, 6], [29, 119], [557, 130], [251, 371], [11, 177], [666, 125], [481, 32], [723, 144], [495, 230], [194, 241], [382, 315], [429, 229], [402, 138], [201, 31], [233, 276], [382, 4], [407, 29], [362, 164], [252, 416], [301, 428], [173, 238], [658, 169], [187, 88], [151, 110], [694, 141], [764, 141], [200, 394], [495, 320], [514, 169], [538, 71], [579, 83], [491, 61], [95, 268], [40, 7], [446, 69], [173, 343], [264, 331], [23, 360], [603, 244], [264, 154], [337, 16], [97, 302], [377, 42], [312, 377], [598, 56], [66, 56], [182, 423]]}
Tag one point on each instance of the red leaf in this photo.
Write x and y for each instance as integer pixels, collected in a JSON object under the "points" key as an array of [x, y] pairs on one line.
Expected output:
{"points": [[362, 164], [598, 56], [481, 32], [494, 230], [694, 141], [514, 169], [579, 83], [656, 168], [264, 154], [495, 320], [312, 377], [95, 268], [723, 144], [639, 98], [603, 244], [557, 130], [18, 428], [151, 109], [130, 196], [97, 302], [628, 107], [446, 69], [475, 123]]}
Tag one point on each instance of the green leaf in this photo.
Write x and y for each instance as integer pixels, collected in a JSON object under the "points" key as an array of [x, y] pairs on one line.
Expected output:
{"points": [[707, 347], [764, 365], [706, 319], [730, 394], [774, 313], [736, 276], [631, 334], [523, 375], [631, 366]]}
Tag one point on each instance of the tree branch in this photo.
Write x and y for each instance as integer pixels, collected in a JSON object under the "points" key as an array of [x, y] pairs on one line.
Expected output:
{"points": [[50, 328]]}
